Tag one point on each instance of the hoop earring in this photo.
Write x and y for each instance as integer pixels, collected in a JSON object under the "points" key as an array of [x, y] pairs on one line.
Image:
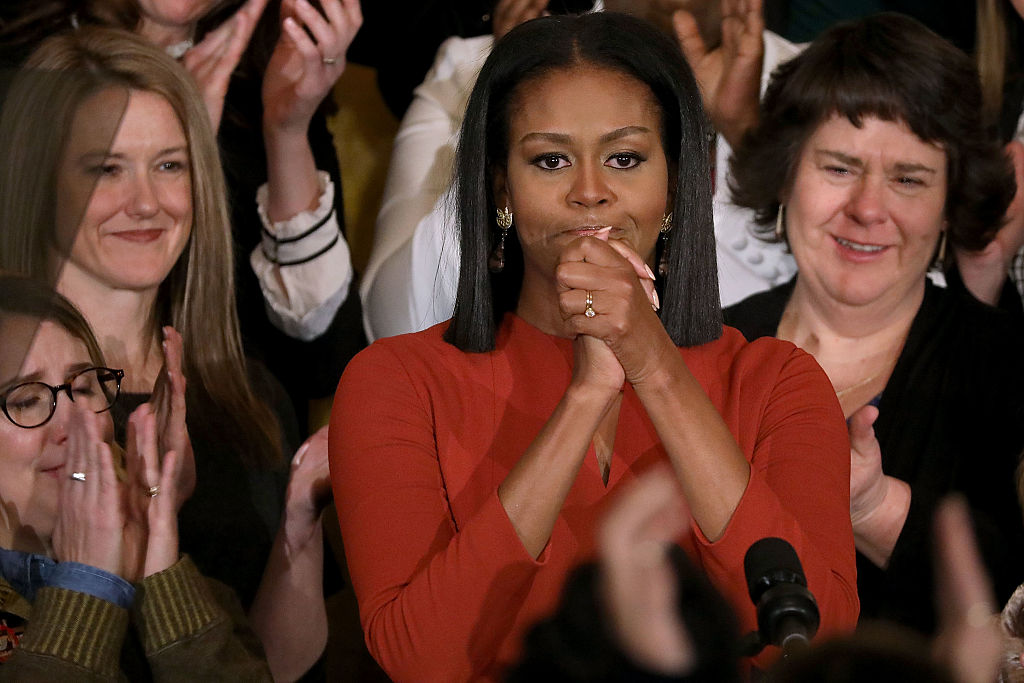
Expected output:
{"points": [[780, 223], [496, 261]]}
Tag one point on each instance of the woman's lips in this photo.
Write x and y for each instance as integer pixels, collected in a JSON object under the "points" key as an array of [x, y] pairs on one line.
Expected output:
{"points": [[141, 236], [54, 472], [591, 230], [858, 251]]}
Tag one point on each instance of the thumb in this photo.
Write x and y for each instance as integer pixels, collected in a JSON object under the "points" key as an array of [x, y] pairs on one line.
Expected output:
{"points": [[861, 426], [689, 37]]}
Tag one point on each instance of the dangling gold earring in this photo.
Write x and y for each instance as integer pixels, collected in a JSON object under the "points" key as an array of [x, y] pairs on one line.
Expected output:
{"points": [[780, 223], [496, 261], [666, 228]]}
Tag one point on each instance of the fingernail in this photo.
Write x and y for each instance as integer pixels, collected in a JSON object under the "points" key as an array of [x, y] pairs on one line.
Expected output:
{"points": [[603, 233], [650, 273], [657, 301]]}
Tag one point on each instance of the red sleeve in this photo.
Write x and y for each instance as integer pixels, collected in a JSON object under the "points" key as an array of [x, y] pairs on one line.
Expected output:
{"points": [[435, 601], [799, 490]]}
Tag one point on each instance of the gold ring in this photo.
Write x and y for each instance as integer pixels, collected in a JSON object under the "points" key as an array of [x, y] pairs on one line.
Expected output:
{"points": [[589, 310], [330, 61], [152, 491]]}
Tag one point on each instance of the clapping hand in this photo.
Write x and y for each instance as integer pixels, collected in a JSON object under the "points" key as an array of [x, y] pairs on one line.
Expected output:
{"points": [[969, 642], [90, 512], [308, 59], [168, 401], [215, 58], [309, 490], [729, 75], [639, 586]]}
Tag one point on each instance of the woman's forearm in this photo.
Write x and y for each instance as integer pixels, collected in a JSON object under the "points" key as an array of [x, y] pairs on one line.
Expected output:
{"points": [[711, 468], [291, 174], [288, 613], [534, 491]]}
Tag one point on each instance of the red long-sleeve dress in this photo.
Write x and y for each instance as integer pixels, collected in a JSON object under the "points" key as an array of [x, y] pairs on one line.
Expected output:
{"points": [[422, 434]]}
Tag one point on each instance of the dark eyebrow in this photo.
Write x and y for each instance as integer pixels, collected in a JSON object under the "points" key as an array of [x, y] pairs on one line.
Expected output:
{"points": [[908, 167], [840, 157], [38, 376], [563, 139], [899, 167]]}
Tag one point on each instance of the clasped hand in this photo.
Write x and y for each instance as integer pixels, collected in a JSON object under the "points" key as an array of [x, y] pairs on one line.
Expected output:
{"points": [[624, 340]]}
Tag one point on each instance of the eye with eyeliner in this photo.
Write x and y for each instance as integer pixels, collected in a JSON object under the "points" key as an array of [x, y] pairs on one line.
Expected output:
{"points": [[625, 160], [550, 161]]}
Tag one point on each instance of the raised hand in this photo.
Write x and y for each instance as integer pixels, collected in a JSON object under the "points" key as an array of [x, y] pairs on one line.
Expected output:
{"points": [[729, 75], [90, 510], [510, 13], [168, 402], [969, 642], [215, 58], [639, 587], [303, 69]]}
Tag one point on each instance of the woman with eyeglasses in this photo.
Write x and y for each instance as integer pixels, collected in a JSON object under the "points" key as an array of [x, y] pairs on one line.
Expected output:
{"points": [[124, 210], [88, 532]]}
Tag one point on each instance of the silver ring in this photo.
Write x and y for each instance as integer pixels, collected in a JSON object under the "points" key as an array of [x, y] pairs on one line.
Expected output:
{"points": [[152, 491], [77, 476], [329, 61], [589, 310]]}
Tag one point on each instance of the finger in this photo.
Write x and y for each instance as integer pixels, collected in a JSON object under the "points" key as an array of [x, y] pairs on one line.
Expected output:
{"points": [[653, 503], [591, 250], [688, 35], [72, 490], [964, 586], [323, 32], [168, 483], [754, 17], [862, 431], [642, 270], [306, 48], [147, 446], [252, 10], [345, 17]]}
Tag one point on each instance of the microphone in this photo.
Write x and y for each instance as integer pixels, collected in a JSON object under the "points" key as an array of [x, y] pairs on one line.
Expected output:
{"points": [[787, 614]]}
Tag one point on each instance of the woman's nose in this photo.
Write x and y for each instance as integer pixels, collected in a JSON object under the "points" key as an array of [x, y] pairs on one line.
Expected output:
{"points": [[143, 201], [589, 186], [867, 201]]}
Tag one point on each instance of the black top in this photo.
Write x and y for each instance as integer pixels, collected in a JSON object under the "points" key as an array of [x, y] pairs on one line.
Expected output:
{"points": [[951, 419]]}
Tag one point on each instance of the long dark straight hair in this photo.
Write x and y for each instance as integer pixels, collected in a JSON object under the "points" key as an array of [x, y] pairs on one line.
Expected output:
{"points": [[691, 310]]}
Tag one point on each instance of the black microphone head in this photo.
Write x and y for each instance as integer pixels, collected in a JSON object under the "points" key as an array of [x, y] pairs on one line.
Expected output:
{"points": [[768, 562]]}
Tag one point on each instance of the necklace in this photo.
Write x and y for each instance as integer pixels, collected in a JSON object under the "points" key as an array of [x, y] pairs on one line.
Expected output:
{"points": [[858, 385]]}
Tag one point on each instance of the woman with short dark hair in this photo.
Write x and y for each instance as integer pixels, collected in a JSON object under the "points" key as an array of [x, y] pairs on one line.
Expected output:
{"points": [[869, 158], [471, 460]]}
